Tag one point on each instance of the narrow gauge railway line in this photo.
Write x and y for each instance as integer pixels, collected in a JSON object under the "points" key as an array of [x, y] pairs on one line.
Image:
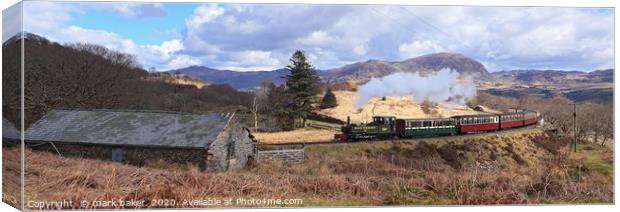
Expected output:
{"points": [[459, 136]]}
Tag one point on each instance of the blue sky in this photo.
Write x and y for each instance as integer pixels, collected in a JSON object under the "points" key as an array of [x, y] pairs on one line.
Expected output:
{"points": [[247, 37]]}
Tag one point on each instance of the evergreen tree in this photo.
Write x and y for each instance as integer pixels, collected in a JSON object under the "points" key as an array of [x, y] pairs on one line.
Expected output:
{"points": [[329, 100], [302, 87], [280, 102]]}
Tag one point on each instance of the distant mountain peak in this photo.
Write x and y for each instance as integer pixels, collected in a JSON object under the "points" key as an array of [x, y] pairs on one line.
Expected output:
{"points": [[364, 71]]}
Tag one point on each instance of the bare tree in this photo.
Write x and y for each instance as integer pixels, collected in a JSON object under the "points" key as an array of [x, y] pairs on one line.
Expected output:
{"points": [[260, 100]]}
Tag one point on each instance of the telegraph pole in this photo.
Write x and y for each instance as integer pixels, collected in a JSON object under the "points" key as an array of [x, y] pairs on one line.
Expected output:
{"points": [[575, 126]]}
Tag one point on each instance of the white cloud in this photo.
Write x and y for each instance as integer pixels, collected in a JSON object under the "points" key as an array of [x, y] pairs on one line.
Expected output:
{"points": [[181, 61], [138, 10], [361, 49], [263, 36], [75, 34], [164, 56], [418, 48], [317, 38], [251, 61], [49, 20], [203, 14], [43, 17], [511, 37]]}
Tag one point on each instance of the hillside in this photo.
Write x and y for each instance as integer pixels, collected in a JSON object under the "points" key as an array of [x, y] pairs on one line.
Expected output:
{"points": [[595, 86], [519, 167], [398, 106], [178, 79], [533, 77], [78, 75], [240, 80], [364, 71]]}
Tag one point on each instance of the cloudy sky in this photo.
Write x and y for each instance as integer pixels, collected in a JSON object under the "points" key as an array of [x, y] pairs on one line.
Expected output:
{"points": [[248, 37]]}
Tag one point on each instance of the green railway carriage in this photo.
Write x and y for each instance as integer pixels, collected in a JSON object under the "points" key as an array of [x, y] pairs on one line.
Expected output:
{"points": [[425, 127]]}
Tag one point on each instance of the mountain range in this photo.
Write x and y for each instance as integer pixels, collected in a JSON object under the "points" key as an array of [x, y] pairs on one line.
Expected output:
{"points": [[530, 76], [575, 85], [245, 80], [359, 72]]}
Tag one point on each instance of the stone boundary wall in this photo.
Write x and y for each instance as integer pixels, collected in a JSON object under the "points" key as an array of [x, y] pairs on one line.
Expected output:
{"points": [[287, 155]]}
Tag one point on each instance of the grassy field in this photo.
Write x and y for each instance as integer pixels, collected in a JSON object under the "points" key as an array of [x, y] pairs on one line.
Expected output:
{"points": [[529, 167]]}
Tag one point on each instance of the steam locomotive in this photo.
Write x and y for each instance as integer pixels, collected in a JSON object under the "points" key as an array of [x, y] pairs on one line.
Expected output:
{"points": [[386, 127]]}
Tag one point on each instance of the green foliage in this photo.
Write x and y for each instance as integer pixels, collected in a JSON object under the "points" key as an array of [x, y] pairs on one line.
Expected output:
{"points": [[303, 84], [279, 100], [593, 159], [329, 100]]}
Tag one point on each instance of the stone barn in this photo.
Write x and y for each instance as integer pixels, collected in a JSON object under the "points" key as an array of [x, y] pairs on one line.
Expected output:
{"points": [[212, 141]]}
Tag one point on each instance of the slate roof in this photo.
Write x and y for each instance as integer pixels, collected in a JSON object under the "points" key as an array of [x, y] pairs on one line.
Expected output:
{"points": [[134, 128], [9, 131]]}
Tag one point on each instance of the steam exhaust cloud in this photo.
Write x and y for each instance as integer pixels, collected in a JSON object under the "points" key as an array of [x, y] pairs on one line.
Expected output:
{"points": [[443, 86]]}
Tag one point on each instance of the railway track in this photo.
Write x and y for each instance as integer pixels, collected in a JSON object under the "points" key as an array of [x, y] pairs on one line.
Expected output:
{"points": [[463, 136]]}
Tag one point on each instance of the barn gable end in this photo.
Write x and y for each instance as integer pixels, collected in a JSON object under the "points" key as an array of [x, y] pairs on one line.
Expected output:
{"points": [[232, 149], [9, 131]]}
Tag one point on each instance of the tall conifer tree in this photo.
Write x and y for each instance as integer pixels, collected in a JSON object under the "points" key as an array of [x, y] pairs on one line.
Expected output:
{"points": [[302, 84]]}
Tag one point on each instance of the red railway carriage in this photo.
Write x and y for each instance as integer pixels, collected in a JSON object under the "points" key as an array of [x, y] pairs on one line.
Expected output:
{"points": [[477, 123], [510, 120], [530, 117]]}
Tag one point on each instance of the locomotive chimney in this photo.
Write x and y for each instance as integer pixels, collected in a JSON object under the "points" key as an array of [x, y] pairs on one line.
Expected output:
{"points": [[348, 120]]}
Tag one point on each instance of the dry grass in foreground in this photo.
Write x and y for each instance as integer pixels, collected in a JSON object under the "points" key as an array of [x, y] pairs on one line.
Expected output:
{"points": [[524, 169]]}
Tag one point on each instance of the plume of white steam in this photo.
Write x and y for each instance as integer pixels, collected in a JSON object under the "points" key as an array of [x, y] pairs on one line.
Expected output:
{"points": [[443, 86]]}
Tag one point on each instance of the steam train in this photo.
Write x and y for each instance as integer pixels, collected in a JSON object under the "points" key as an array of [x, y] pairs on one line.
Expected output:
{"points": [[385, 127]]}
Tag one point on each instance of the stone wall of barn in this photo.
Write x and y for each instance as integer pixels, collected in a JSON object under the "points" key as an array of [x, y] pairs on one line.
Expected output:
{"points": [[138, 156], [232, 149]]}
